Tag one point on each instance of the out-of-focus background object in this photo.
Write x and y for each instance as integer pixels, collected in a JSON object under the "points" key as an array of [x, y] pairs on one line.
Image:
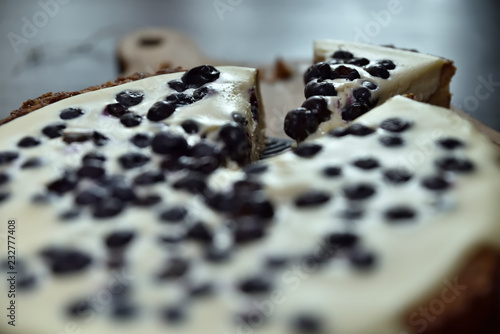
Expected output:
{"points": [[57, 45]]}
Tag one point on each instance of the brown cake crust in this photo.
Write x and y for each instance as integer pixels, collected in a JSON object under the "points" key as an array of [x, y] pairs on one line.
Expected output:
{"points": [[49, 98], [468, 303]]}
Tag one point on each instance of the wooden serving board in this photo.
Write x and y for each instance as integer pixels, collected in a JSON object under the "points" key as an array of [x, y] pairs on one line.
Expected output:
{"points": [[281, 83]]}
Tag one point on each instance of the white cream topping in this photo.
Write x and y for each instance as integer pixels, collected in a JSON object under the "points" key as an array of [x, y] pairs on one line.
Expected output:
{"points": [[415, 73], [337, 294]]}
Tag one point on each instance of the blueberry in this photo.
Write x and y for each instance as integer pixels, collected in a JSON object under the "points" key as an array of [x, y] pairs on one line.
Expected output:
{"points": [[322, 88], [306, 323], [93, 157], [54, 130], [179, 99], [28, 141], [362, 95], [318, 105], [358, 62], [71, 214], [435, 183], [300, 123], [307, 150], [362, 260], [80, 309], [312, 198], [201, 290], [450, 143], [91, 170], [133, 160], [351, 213], [173, 269], [4, 195], [387, 64], [129, 98], [190, 126], [8, 156], [276, 261], [115, 110], [338, 132], [395, 124], [149, 178], [199, 232], [194, 183], [340, 240], [122, 192], [141, 140], [119, 239], [344, 72], [453, 164], [64, 184], [200, 93], [76, 137], [4, 178], [397, 175], [359, 130], [354, 110], [342, 54], [370, 85], [400, 213], [174, 214], [123, 311], [131, 120], [169, 143], [239, 118], [173, 315], [177, 85], [235, 142], [366, 163], [90, 196], [358, 191], [215, 254], [108, 208], [254, 285], [148, 200], [64, 261], [99, 139], [391, 141], [32, 163], [172, 164], [320, 71], [378, 70], [257, 206], [199, 76], [247, 229], [160, 111], [332, 171], [71, 113]]}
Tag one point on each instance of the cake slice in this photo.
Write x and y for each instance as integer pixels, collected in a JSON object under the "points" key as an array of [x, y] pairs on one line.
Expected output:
{"points": [[348, 79], [220, 104]]}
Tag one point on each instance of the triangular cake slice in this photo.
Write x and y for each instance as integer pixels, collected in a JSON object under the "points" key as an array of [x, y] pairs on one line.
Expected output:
{"points": [[390, 210], [220, 104], [348, 79]]}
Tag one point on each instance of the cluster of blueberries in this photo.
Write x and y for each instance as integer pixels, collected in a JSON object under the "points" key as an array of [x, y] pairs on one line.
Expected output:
{"points": [[304, 121]]}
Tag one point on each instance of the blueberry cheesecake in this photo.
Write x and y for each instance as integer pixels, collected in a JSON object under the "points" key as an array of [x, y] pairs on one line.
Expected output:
{"points": [[348, 79], [131, 219]]}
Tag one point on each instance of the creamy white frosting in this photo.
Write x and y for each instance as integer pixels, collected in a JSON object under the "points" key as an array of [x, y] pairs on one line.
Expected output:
{"points": [[415, 73], [412, 259]]}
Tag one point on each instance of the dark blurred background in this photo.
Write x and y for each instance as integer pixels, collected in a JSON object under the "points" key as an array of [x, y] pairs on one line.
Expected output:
{"points": [[73, 42]]}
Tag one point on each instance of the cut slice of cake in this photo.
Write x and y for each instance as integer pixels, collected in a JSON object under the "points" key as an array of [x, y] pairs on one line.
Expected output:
{"points": [[221, 104], [348, 79]]}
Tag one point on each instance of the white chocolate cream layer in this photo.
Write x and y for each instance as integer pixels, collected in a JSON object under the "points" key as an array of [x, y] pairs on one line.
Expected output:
{"points": [[415, 73]]}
